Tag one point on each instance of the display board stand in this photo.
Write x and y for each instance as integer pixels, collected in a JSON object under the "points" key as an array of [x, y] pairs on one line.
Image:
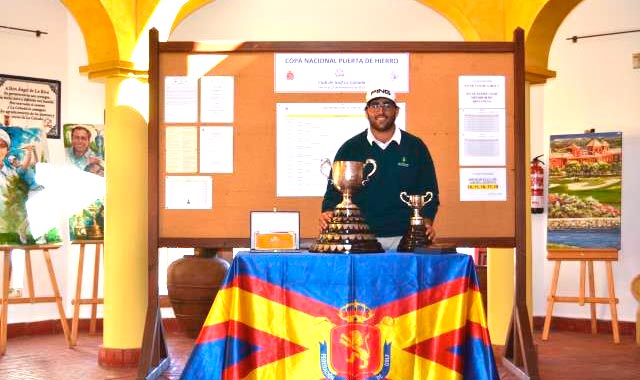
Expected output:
{"points": [[435, 69], [31, 297], [154, 356], [520, 356]]}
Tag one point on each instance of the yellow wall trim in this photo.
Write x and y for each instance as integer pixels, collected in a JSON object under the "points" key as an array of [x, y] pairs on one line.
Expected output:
{"points": [[109, 69], [538, 75]]}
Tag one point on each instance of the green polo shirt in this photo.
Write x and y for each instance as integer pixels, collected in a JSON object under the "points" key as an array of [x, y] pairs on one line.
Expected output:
{"points": [[407, 167]]}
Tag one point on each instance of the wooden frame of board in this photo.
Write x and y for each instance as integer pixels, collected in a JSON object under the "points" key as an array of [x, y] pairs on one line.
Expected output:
{"points": [[432, 114]]}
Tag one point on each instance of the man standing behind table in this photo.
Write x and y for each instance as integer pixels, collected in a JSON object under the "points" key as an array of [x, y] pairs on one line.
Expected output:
{"points": [[79, 153], [404, 164]]}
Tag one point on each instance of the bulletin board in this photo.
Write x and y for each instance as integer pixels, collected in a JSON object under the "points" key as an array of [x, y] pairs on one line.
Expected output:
{"points": [[431, 114]]}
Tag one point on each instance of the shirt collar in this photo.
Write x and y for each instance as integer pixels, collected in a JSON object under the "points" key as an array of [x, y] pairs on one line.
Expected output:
{"points": [[396, 137]]}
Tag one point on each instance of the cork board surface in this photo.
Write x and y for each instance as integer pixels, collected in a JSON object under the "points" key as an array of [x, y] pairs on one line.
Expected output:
{"points": [[431, 113]]}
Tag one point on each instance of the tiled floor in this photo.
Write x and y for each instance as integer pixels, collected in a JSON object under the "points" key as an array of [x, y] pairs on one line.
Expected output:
{"points": [[565, 356]]}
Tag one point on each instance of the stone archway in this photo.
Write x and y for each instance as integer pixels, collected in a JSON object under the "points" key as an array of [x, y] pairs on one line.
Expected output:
{"points": [[540, 36], [113, 30]]}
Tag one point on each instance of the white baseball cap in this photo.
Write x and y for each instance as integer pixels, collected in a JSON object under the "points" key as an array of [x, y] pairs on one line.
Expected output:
{"points": [[5, 136], [380, 92]]}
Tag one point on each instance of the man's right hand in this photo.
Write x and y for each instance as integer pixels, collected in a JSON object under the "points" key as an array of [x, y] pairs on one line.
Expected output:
{"points": [[324, 219]]}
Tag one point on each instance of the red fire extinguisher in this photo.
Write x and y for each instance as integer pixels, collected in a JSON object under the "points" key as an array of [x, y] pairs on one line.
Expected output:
{"points": [[537, 185]]}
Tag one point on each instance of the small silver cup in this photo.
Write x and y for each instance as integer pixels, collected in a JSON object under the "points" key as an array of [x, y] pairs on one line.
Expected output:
{"points": [[416, 202], [415, 236]]}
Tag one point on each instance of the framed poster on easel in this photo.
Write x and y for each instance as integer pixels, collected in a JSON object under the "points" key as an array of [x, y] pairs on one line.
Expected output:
{"points": [[31, 102]]}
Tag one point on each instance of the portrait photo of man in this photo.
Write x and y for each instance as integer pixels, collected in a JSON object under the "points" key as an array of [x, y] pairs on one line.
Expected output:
{"points": [[84, 147]]}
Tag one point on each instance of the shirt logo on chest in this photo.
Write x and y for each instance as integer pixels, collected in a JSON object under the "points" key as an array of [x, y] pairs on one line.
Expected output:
{"points": [[403, 162]]}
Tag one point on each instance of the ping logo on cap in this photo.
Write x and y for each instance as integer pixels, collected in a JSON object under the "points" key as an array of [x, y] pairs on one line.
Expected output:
{"points": [[380, 92]]}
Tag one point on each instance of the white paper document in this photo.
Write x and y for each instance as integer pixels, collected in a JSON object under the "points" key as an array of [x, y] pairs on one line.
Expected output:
{"points": [[188, 192], [180, 99], [216, 99], [181, 145], [483, 184], [482, 137], [341, 72], [482, 121], [307, 133], [481, 91], [216, 149]]}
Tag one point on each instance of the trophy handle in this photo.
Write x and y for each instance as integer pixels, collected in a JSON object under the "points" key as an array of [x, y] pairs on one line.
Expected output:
{"points": [[323, 163], [404, 194], [375, 167], [426, 198]]}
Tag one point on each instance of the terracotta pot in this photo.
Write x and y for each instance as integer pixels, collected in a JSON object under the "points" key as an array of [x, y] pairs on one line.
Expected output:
{"points": [[193, 282]]}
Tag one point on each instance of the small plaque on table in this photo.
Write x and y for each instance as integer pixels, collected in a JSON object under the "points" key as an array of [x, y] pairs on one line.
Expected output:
{"points": [[272, 241], [275, 230]]}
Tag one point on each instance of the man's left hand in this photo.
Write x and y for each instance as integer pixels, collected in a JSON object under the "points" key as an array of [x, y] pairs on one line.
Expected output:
{"points": [[430, 232]]}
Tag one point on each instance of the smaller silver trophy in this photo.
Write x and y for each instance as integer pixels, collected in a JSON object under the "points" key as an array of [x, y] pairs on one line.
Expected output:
{"points": [[415, 236], [347, 231]]}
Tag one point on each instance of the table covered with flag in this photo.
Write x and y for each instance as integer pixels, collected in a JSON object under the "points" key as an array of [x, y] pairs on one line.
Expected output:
{"points": [[396, 316]]}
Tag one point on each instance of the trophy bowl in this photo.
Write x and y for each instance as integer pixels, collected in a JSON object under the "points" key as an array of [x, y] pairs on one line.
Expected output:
{"points": [[348, 177], [347, 231]]}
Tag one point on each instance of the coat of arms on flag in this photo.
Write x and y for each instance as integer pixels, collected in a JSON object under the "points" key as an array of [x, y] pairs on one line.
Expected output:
{"points": [[356, 347], [392, 316]]}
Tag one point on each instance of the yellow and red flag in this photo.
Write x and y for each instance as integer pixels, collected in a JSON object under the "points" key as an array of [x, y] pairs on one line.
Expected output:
{"points": [[395, 316]]}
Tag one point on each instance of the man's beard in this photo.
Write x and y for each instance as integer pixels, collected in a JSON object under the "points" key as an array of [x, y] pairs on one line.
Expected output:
{"points": [[387, 125]]}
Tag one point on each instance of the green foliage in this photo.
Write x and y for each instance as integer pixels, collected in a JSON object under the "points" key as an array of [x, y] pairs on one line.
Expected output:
{"points": [[53, 236], [594, 187], [15, 195], [571, 206], [15, 215], [9, 238]]}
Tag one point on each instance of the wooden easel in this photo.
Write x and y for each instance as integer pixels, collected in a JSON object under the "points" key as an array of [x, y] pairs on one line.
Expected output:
{"points": [[78, 300], [586, 257], [635, 290], [6, 251]]}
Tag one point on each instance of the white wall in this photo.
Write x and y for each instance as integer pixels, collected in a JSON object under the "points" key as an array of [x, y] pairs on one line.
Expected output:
{"points": [[596, 87], [307, 20]]}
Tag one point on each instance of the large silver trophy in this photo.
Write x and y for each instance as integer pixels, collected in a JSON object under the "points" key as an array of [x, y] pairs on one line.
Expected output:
{"points": [[347, 231], [415, 236]]}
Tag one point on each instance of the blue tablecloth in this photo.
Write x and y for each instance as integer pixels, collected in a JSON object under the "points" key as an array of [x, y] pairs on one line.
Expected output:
{"points": [[397, 316]]}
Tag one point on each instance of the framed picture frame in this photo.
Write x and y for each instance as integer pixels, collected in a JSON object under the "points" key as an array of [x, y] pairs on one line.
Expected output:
{"points": [[275, 230], [30, 102]]}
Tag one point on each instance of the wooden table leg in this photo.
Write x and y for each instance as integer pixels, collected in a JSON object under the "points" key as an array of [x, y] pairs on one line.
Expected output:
{"points": [[5, 300], [56, 292], [551, 300], [94, 294], [76, 300]]}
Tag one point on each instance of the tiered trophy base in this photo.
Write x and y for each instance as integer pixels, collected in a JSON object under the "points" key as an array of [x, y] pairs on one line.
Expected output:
{"points": [[346, 232], [415, 237]]}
